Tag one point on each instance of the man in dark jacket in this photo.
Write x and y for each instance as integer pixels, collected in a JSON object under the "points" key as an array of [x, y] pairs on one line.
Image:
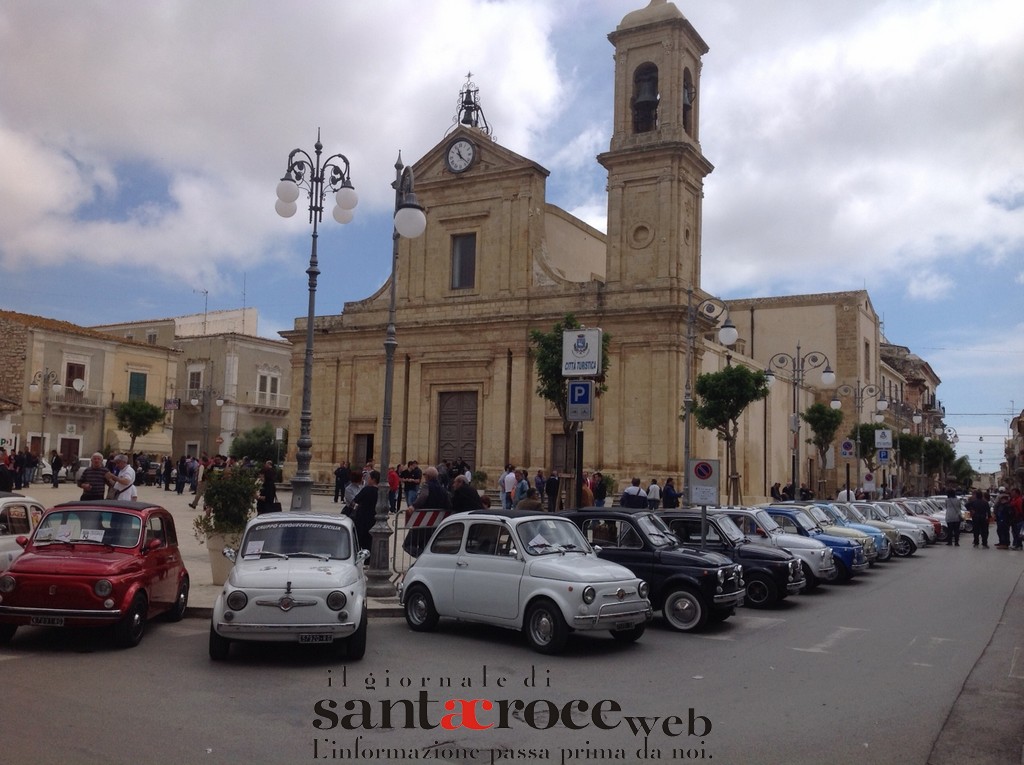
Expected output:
{"points": [[365, 512], [464, 496], [551, 491], [979, 510], [432, 495]]}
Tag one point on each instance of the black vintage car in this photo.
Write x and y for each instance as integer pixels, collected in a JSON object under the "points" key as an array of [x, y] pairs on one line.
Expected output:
{"points": [[771, 575], [689, 587]]}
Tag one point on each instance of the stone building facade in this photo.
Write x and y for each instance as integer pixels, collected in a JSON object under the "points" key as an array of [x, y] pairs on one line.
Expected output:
{"points": [[229, 380], [65, 382]]}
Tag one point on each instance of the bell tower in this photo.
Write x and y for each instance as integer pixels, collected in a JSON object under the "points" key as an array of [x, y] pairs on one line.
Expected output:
{"points": [[655, 166]]}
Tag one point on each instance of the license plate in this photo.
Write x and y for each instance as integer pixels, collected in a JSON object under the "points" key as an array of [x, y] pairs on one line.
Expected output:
{"points": [[47, 621], [316, 638], [622, 626]]}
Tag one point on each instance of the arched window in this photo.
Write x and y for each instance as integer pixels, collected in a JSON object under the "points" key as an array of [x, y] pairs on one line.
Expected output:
{"points": [[689, 96], [645, 98]]}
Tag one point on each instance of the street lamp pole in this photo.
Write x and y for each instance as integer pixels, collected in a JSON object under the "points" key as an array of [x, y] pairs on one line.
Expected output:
{"points": [[409, 222], [316, 178], [860, 394], [712, 309], [798, 365], [48, 381]]}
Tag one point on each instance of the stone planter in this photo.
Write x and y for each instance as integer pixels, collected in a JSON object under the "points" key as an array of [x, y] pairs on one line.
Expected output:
{"points": [[220, 567]]}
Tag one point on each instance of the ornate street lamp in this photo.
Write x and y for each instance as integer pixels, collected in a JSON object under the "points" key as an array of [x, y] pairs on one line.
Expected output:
{"points": [[711, 309], [410, 222], [798, 365], [860, 393], [316, 178], [49, 382]]}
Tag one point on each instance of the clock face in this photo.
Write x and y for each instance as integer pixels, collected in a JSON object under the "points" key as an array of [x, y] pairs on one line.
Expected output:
{"points": [[460, 155]]}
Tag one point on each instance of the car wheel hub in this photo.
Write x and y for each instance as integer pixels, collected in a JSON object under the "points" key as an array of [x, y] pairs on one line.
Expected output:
{"points": [[542, 627]]}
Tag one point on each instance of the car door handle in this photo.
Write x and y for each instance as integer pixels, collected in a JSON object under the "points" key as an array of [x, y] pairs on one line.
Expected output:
{"points": [[461, 564]]}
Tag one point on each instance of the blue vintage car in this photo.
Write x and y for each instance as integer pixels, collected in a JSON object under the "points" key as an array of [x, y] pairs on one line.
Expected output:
{"points": [[835, 516], [848, 553]]}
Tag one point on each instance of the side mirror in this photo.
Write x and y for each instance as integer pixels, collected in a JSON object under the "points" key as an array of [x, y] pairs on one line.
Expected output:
{"points": [[22, 541], [229, 553], [152, 544], [760, 532], [362, 555]]}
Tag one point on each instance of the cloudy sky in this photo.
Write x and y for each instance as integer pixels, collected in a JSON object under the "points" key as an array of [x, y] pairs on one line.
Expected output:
{"points": [[873, 144]]}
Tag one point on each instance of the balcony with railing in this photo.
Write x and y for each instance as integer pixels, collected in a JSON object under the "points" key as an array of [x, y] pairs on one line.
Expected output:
{"points": [[264, 402], [68, 399]]}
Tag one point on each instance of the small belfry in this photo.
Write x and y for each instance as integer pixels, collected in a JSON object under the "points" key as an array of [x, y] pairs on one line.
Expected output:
{"points": [[469, 113]]}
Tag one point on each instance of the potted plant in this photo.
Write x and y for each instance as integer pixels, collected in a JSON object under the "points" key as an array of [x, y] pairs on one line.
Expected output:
{"points": [[229, 501]]}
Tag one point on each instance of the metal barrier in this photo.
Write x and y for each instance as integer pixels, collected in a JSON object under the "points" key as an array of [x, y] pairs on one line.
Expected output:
{"points": [[413, 529]]}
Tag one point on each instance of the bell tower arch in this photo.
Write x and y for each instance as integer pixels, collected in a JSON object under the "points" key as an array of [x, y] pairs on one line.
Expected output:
{"points": [[655, 166]]}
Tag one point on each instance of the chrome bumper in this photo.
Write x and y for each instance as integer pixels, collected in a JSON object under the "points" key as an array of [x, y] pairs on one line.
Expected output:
{"points": [[606, 620]]}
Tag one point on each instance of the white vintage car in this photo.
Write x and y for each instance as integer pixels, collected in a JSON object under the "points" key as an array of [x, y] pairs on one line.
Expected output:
{"points": [[526, 571], [298, 577], [19, 515]]}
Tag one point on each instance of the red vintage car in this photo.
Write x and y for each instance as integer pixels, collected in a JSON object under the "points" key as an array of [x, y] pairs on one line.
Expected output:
{"points": [[92, 564]]}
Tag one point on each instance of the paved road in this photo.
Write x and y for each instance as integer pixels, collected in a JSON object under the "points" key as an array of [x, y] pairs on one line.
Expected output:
{"points": [[904, 665]]}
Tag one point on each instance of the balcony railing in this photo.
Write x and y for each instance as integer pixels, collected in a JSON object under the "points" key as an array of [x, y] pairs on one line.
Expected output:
{"points": [[71, 398], [265, 400]]}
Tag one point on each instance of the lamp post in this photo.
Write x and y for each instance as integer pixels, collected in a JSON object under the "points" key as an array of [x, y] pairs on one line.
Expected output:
{"points": [[860, 393], [202, 402], [711, 309], [798, 365], [316, 178], [409, 222], [47, 380]]}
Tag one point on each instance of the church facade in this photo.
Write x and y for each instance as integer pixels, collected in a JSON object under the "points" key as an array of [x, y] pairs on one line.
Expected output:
{"points": [[497, 261]]}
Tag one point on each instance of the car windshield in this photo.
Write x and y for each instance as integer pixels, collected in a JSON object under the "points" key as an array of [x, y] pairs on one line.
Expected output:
{"points": [[853, 513], [551, 535], [729, 527], [767, 522], [819, 515], [804, 521], [101, 527], [286, 539], [659, 534]]}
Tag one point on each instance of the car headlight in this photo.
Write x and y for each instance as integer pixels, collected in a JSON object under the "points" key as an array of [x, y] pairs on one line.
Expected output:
{"points": [[103, 587], [336, 600], [721, 575], [237, 600], [6, 584], [643, 589], [589, 593]]}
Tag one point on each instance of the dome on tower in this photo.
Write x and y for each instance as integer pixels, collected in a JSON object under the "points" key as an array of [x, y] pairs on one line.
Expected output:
{"points": [[657, 10]]}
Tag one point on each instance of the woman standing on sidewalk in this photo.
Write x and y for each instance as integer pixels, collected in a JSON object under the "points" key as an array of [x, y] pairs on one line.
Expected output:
{"points": [[953, 516]]}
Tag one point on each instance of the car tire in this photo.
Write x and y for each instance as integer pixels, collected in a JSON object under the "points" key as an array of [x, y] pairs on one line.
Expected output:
{"points": [[631, 635], [684, 610], [545, 628], [177, 612], [842, 572], [7, 632], [762, 592], [812, 582], [129, 631], [355, 645], [888, 554], [220, 646], [420, 614], [904, 547], [943, 534]]}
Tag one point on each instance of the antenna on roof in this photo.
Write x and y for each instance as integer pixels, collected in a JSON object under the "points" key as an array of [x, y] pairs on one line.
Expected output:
{"points": [[206, 305]]}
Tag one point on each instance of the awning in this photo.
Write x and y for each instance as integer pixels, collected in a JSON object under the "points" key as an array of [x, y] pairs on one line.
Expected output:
{"points": [[151, 443]]}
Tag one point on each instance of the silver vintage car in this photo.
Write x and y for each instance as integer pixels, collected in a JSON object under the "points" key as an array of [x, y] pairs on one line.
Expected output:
{"points": [[525, 571]]}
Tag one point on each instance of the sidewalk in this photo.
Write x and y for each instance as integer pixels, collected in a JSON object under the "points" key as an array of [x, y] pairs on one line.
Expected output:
{"points": [[203, 592]]}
